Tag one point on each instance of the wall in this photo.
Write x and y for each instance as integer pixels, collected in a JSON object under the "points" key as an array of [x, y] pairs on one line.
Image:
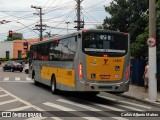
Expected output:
{"points": [[6, 46], [18, 46]]}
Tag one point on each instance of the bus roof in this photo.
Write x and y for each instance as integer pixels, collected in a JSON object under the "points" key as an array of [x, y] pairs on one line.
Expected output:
{"points": [[76, 33]]}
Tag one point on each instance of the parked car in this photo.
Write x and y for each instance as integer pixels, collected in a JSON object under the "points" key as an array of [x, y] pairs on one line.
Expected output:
{"points": [[13, 66]]}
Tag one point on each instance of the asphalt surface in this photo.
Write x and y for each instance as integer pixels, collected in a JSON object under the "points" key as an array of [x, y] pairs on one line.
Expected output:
{"points": [[18, 93]]}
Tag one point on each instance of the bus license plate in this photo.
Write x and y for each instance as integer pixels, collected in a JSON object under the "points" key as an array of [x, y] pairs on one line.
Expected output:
{"points": [[105, 76]]}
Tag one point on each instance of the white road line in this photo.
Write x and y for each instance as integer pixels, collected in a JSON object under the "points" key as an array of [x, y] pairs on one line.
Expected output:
{"points": [[6, 79], [93, 109], [143, 106], [79, 105], [129, 107], [28, 79], [56, 118], [19, 109], [121, 101], [66, 109], [109, 98], [17, 79], [109, 107], [9, 101], [3, 95], [36, 118], [119, 118], [91, 118], [25, 102], [58, 106]]}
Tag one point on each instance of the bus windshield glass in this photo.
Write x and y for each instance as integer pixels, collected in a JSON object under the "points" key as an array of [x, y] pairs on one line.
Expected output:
{"points": [[105, 43]]}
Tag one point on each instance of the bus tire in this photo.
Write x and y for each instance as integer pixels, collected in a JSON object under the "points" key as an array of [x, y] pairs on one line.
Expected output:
{"points": [[54, 85], [35, 82], [33, 77]]}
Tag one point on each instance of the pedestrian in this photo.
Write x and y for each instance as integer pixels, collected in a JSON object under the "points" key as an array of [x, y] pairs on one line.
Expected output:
{"points": [[146, 76]]}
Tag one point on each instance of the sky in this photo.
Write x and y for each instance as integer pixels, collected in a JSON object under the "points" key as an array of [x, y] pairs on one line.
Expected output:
{"points": [[56, 15]]}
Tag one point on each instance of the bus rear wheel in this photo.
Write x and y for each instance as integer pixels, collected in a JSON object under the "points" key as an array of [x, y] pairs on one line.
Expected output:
{"points": [[53, 86]]}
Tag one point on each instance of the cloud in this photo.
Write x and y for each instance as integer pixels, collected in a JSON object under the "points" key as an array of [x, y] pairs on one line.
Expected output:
{"points": [[57, 13]]}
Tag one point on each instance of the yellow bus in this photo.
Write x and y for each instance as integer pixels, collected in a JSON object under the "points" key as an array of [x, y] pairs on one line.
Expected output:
{"points": [[84, 61]]}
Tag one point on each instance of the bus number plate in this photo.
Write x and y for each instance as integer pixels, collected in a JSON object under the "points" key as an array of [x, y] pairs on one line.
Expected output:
{"points": [[105, 76]]}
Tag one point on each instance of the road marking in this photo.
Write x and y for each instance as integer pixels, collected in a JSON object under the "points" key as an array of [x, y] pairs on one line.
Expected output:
{"points": [[20, 108], [79, 105], [6, 79], [121, 101], [17, 79], [56, 118], [119, 118], [109, 98], [25, 102], [9, 101], [129, 107], [93, 109], [36, 118], [66, 109], [58, 106], [91, 118], [28, 79], [109, 107], [4, 95]]}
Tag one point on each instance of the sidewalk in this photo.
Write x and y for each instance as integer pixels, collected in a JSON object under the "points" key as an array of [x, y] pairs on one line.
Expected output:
{"points": [[138, 93]]}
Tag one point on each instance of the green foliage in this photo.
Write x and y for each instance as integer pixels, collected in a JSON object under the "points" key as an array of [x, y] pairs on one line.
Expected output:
{"points": [[158, 28], [99, 27], [139, 48], [127, 16], [132, 16], [13, 38]]}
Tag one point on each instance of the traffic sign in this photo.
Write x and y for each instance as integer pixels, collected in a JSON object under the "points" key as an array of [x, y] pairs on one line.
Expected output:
{"points": [[151, 41]]}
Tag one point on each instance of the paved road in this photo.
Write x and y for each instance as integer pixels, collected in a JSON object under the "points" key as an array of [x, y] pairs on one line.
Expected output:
{"points": [[18, 93]]}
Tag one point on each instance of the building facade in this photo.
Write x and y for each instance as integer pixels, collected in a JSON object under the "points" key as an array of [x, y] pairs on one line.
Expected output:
{"points": [[18, 48], [15, 49], [6, 49]]}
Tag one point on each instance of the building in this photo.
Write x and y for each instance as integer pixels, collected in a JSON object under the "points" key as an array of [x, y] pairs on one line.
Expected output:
{"points": [[18, 48], [15, 49], [6, 49]]}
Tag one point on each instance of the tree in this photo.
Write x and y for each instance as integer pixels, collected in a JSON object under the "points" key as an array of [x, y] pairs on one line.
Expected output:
{"points": [[127, 16], [158, 28], [139, 47], [13, 38], [48, 34]]}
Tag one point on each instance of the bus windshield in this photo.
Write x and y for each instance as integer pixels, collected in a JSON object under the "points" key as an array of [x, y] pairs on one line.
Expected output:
{"points": [[105, 43]]}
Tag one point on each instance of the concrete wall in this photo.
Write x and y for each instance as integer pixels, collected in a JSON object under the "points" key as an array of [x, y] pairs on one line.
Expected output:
{"points": [[6, 46]]}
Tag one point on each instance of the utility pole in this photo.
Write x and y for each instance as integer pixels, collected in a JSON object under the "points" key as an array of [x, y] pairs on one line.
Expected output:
{"points": [[40, 26], [80, 24], [152, 53]]}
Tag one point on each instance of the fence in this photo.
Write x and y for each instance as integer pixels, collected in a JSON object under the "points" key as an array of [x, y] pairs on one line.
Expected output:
{"points": [[137, 70]]}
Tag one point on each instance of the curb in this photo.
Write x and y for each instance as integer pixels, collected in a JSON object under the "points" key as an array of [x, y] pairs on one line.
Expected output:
{"points": [[142, 100]]}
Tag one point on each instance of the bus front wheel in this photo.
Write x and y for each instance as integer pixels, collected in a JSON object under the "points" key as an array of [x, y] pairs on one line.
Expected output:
{"points": [[53, 86]]}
